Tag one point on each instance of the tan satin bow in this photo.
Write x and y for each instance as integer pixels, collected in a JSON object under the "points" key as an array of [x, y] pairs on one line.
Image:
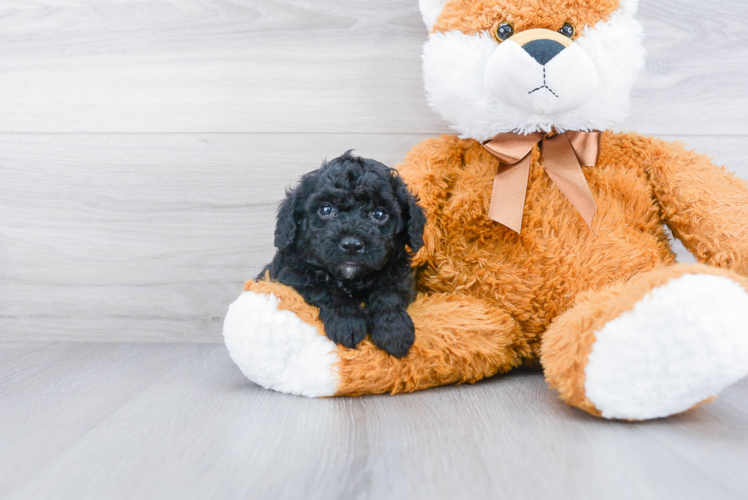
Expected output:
{"points": [[563, 158]]}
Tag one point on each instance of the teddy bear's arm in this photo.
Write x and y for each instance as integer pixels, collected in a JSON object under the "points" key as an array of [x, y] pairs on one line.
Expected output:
{"points": [[428, 170], [705, 206]]}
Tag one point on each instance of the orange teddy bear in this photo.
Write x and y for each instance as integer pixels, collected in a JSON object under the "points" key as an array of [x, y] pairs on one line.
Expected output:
{"points": [[546, 241]]}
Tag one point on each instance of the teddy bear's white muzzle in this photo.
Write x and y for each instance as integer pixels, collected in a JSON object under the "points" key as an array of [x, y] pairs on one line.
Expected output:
{"points": [[540, 80]]}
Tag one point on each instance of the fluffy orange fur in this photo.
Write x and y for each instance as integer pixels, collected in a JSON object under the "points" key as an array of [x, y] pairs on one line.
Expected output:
{"points": [[568, 342], [458, 339], [535, 275], [704, 206], [538, 275], [472, 16], [491, 299]]}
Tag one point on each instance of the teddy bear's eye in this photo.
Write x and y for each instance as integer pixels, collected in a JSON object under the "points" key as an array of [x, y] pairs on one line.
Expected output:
{"points": [[326, 211], [379, 215], [504, 31], [568, 29]]}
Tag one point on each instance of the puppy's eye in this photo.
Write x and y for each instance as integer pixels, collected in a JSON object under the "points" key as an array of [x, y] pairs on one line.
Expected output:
{"points": [[568, 29], [326, 211], [380, 215], [503, 31]]}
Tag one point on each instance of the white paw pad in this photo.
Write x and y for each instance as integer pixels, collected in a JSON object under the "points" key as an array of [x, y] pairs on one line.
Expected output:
{"points": [[681, 344], [277, 350]]}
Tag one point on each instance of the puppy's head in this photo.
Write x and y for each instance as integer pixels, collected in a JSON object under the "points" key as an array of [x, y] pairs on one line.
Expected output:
{"points": [[351, 217], [494, 66]]}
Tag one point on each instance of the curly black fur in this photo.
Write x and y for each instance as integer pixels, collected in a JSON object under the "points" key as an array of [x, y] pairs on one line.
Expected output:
{"points": [[339, 251]]}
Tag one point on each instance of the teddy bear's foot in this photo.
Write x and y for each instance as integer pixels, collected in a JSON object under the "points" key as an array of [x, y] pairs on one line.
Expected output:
{"points": [[653, 347], [274, 338], [278, 342]]}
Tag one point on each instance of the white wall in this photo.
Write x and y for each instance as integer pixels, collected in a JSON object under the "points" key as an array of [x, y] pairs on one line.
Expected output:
{"points": [[144, 144]]}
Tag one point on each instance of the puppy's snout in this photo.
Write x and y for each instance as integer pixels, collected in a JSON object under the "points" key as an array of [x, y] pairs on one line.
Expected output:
{"points": [[543, 50], [351, 245]]}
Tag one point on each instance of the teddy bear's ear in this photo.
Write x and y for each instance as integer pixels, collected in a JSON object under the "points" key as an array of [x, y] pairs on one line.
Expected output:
{"points": [[629, 6], [430, 10]]}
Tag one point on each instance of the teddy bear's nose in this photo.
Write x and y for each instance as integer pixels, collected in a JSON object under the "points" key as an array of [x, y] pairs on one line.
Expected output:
{"points": [[543, 50]]}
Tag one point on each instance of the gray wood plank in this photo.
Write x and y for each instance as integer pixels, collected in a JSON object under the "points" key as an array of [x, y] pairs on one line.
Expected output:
{"points": [[145, 237], [118, 421], [310, 66], [213, 66], [15, 355], [63, 392], [149, 237]]}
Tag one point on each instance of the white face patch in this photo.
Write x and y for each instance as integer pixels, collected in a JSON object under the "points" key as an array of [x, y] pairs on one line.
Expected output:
{"points": [[348, 271], [564, 83], [484, 88]]}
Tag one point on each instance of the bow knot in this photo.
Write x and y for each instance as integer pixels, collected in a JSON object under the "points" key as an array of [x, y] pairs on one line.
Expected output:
{"points": [[564, 155]]}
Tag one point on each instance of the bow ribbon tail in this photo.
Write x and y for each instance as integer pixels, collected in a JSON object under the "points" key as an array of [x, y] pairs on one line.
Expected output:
{"points": [[514, 152], [563, 167], [586, 146], [509, 192]]}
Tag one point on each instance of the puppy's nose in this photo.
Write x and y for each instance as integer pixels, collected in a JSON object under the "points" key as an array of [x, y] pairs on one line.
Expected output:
{"points": [[543, 50], [351, 245]]}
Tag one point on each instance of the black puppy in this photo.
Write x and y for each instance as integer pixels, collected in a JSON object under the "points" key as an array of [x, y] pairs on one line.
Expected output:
{"points": [[341, 236]]}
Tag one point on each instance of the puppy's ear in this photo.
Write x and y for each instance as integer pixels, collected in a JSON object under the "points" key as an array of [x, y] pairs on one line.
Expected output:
{"points": [[416, 223], [285, 228], [414, 217]]}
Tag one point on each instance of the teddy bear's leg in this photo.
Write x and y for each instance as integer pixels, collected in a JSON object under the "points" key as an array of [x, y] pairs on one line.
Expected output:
{"points": [[655, 346], [278, 341], [274, 337], [458, 339]]}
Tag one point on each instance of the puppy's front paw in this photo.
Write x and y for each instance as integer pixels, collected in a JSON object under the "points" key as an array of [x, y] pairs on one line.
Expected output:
{"points": [[348, 331], [393, 332]]}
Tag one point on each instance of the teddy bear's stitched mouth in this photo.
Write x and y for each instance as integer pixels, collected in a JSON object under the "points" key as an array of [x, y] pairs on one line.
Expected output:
{"points": [[544, 86]]}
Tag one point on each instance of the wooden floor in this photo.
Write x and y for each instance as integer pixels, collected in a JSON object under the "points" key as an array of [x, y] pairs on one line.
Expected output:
{"points": [[110, 421], [145, 144]]}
